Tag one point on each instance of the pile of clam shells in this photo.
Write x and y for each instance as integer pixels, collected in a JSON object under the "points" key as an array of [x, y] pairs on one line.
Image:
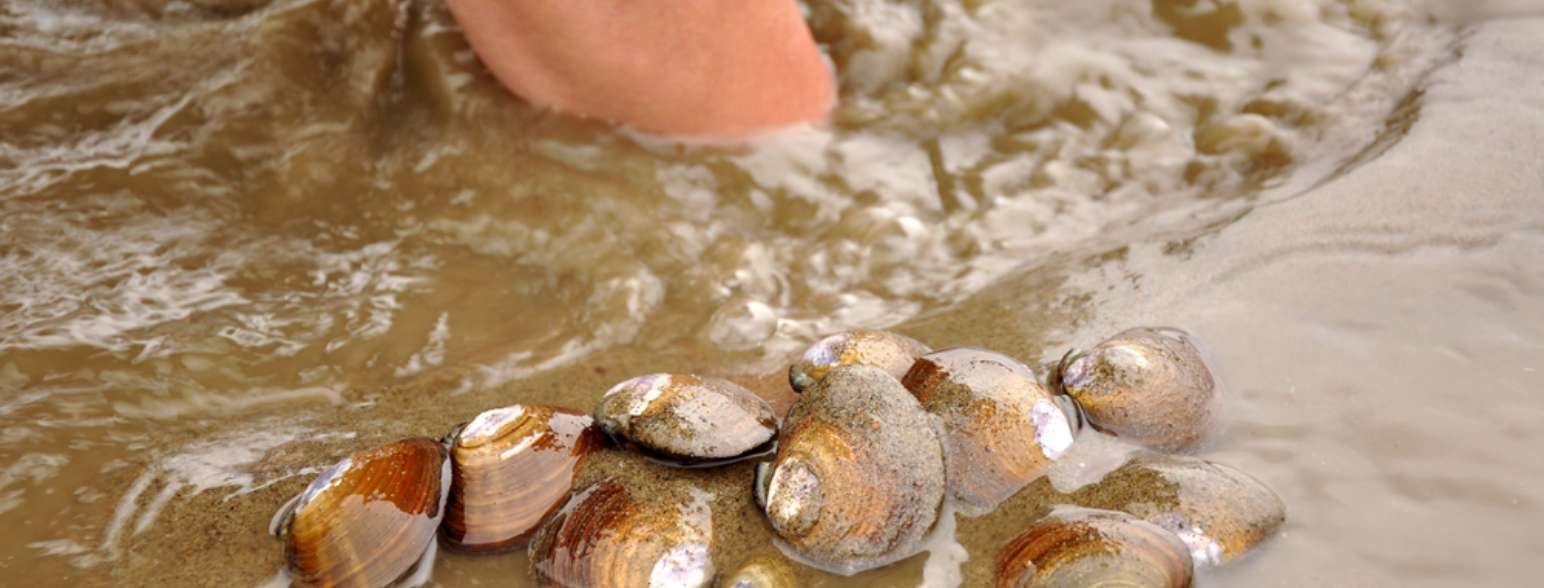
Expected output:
{"points": [[883, 435]]}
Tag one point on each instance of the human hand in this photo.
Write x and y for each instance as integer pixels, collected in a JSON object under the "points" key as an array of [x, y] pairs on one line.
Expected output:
{"points": [[701, 68]]}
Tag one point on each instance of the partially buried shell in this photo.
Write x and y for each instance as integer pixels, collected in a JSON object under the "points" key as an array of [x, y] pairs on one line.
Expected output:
{"points": [[686, 418], [511, 466], [1001, 428], [1146, 385], [1080, 548], [859, 476], [762, 572], [1219, 511], [367, 520], [888, 351], [605, 536]]}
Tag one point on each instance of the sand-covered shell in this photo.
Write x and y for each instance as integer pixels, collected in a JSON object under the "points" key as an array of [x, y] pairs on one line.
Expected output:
{"points": [[688, 419], [1146, 385], [764, 571], [606, 536], [891, 352], [511, 466], [859, 475], [1002, 429], [1081, 548], [1219, 511], [367, 520]]}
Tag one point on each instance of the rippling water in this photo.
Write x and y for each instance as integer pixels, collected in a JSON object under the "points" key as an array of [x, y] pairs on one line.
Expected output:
{"points": [[239, 238]]}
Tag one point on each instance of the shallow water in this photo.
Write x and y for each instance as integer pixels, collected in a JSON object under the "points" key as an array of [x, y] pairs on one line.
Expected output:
{"points": [[239, 239]]}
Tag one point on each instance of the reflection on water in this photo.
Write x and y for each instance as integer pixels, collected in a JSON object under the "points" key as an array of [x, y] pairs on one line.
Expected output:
{"points": [[241, 236]]}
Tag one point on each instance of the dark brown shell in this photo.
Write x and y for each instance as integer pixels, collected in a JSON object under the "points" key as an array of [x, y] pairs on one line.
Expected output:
{"points": [[1001, 428], [510, 467], [1082, 548], [603, 536], [1150, 386], [1219, 511], [368, 519], [891, 352], [859, 476], [687, 419]]}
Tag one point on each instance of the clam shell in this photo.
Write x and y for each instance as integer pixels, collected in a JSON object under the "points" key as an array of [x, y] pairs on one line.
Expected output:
{"points": [[1082, 548], [687, 419], [368, 519], [1146, 385], [603, 536], [888, 351], [762, 572], [859, 475], [510, 467], [1219, 511], [1001, 428]]}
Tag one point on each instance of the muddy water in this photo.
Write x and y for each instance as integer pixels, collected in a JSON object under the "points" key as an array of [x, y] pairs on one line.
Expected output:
{"points": [[240, 238]]}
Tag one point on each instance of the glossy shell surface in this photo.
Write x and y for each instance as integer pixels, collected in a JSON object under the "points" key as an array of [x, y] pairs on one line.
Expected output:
{"points": [[891, 352], [1080, 548], [367, 520], [859, 475], [1219, 511], [606, 536], [1002, 429], [686, 418], [511, 466], [1146, 385]]}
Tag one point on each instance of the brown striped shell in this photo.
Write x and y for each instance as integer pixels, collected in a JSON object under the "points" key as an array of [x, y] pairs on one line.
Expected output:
{"points": [[687, 419], [891, 352], [605, 536], [1146, 385], [1219, 511], [510, 467], [367, 520], [1001, 428], [859, 475], [1080, 548]]}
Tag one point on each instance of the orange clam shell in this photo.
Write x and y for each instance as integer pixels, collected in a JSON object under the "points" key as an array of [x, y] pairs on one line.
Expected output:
{"points": [[604, 536], [687, 419], [367, 520], [891, 352], [859, 475], [1220, 511], [511, 466], [1146, 385], [1087, 548], [1002, 429]]}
